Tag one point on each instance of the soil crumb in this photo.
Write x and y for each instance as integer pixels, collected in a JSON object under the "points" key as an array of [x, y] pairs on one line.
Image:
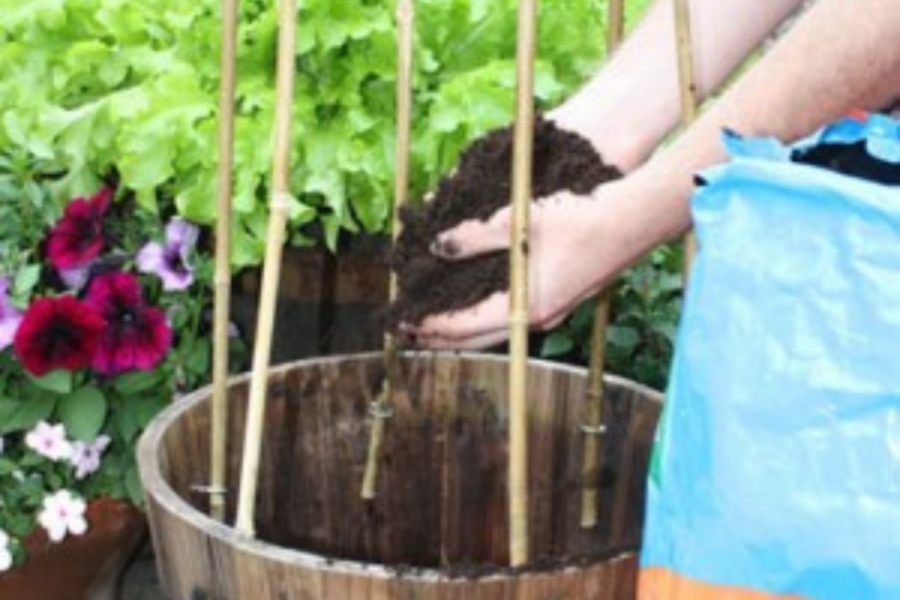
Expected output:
{"points": [[478, 188], [472, 570]]}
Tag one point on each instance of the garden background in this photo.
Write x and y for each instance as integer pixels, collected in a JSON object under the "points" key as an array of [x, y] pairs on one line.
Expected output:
{"points": [[125, 92]]}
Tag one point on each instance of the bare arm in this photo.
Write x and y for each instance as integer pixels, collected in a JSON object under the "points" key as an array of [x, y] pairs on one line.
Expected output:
{"points": [[633, 102], [841, 55]]}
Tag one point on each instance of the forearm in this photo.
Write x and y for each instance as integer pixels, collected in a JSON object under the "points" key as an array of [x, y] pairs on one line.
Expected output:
{"points": [[840, 56], [633, 102]]}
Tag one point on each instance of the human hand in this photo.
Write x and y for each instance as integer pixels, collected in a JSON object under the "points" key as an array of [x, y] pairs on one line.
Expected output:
{"points": [[430, 284], [568, 262]]}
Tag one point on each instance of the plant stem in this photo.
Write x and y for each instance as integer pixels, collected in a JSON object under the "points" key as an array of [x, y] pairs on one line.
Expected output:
{"points": [[280, 206]]}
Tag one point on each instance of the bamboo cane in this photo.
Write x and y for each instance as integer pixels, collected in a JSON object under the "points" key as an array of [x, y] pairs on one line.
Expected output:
{"points": [[593, 425], [688, 91], [222, 283], [615, 24], [383, 406], [279, 210], [518, 318]]}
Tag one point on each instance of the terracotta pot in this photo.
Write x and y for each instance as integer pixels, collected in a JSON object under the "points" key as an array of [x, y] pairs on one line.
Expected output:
{"points": [[86, 567]]}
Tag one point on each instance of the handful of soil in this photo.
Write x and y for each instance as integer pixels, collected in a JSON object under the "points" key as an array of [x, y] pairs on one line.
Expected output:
{"points": [[480, 186]]}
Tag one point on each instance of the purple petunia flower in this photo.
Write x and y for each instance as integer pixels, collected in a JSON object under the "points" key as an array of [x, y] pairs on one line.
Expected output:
{"points": [[169, 261], [136, 335], [76, 277], [10, 317]]}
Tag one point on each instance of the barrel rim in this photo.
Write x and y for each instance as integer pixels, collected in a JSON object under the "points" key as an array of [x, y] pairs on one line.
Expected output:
{"points": [[164, 496]]}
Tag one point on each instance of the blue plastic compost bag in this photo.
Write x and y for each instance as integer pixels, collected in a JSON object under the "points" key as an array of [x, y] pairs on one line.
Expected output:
{"points": [[776, 472]]}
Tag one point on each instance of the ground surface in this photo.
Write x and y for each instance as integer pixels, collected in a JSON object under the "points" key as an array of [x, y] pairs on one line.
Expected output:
{"points": [[141, 582]]}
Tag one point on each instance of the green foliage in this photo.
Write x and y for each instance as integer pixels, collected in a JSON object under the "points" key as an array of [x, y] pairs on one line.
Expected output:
{"points": [[641, 335], [22, 413], [26, 211], [91, 407], [83, 412], [96, 86]]}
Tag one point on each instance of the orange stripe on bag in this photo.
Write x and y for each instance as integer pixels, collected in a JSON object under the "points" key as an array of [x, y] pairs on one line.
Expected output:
{"points": [[664, 584]]}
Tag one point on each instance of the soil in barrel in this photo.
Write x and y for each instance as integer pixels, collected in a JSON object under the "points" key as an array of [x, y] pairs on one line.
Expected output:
{"points": [[563, 161]]}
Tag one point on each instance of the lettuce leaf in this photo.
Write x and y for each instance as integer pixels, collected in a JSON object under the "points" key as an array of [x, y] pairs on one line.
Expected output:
{"points": [[126, 86]]}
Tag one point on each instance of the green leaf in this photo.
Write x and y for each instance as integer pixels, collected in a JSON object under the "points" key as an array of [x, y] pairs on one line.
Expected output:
{"points": [[58, 382], [133, 485], [625, 338], [139, 381], [546, 85], [7, 467], [300, 213], [198, 201], [22, 415], [558, 342], [126, 421], [19, 526], [83, 413], [147, 409], [583, 317], [15, 130], [197, 360], [26, 279]]}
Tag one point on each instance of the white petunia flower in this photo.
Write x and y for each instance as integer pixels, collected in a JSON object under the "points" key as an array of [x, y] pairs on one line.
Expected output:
{"points": [[6, 558], [61, 514], [49, 441], [86, 456]]}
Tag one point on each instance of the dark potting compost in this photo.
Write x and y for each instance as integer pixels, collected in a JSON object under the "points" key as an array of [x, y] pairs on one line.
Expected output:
{"points": [[851, 159], [563, 161]]}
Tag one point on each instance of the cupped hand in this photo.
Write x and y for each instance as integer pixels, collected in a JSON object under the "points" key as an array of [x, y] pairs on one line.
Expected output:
{"points": [[569, 260]]}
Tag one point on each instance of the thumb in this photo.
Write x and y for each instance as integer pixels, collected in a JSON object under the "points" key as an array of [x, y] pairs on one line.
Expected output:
{"points": [[473, 237]]}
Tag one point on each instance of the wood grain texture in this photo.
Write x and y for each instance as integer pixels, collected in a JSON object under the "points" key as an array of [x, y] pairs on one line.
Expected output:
{"points": [[439, 531]]}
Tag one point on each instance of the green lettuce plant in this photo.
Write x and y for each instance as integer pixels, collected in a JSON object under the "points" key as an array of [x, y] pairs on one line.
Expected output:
{"points": [[125, 86]]}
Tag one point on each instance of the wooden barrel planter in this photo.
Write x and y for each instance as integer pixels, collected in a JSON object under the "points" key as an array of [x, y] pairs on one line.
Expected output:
{"points": [[438, 529], [332, 302]]}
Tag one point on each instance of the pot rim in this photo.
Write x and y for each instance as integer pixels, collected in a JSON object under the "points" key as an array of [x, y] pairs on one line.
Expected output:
{"points": [[163, 494]]}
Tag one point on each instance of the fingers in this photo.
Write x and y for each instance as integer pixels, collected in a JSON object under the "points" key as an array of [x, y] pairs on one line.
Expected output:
{"points": [[478, 342], [437, 341], [474, 237], [484, 325], [556, 281], [486, 317]]}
